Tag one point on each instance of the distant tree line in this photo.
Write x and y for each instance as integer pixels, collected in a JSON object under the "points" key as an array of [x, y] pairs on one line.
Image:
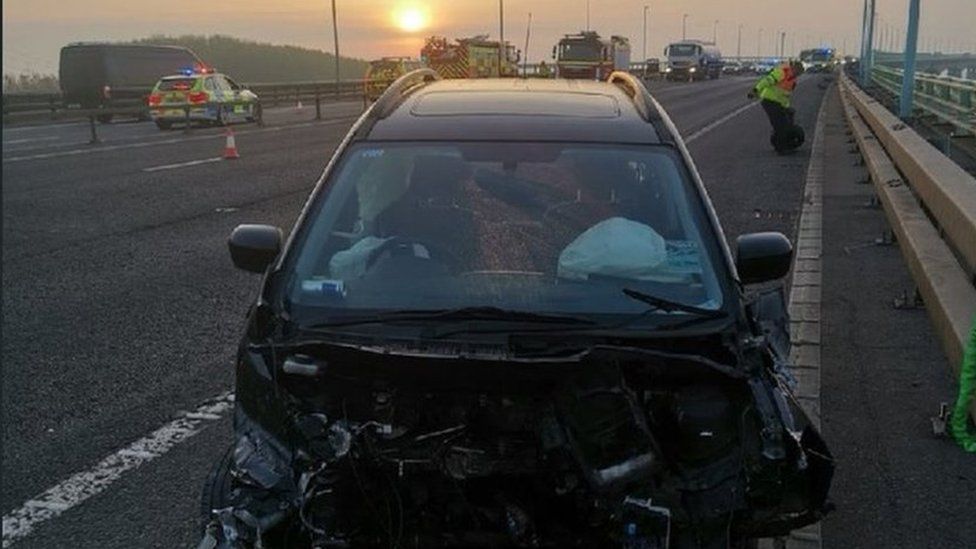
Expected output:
{"points": [[30, 82], [250, 61]]}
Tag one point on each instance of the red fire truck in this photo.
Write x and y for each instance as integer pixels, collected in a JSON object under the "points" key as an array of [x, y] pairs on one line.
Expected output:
{"points": [[475, 57], [586, 55]]}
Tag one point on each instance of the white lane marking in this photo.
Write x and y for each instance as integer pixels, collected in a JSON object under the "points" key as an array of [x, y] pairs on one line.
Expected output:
{"points": [[97, 148], [720, 121], [182, 164], [30, 140], [74, 490]]}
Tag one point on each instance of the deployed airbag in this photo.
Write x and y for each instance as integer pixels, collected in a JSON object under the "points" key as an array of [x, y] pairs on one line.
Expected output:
{"points": [[615, 247]]}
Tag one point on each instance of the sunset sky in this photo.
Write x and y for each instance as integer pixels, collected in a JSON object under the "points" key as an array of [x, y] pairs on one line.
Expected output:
{"points": [[34, 30]]}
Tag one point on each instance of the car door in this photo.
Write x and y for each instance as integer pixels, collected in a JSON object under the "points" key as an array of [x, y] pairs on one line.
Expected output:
{"points": [[235, 99], [213, 91]]}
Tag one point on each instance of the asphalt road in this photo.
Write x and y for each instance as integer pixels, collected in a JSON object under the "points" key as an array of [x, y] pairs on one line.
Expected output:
{"points": [[121, 307]]}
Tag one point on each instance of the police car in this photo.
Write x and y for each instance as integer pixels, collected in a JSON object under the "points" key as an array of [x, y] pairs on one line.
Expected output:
{"points": [[200, 94]]}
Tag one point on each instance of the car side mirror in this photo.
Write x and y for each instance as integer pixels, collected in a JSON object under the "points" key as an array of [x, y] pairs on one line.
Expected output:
{"points": [[762, 257], [254, 247]]}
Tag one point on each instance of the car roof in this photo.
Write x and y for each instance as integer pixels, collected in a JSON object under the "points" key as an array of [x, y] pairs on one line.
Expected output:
{"points": [[517, 110]]}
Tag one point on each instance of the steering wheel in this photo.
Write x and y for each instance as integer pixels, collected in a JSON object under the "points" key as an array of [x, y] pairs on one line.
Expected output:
{"points": [[405, 247]]}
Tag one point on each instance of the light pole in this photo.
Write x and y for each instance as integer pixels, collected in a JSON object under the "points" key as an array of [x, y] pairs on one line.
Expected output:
{"points": [[759, 45], [908, 78], [684, 27], [587, 15], [782, 44], [335, 35], [644, 59], [501, 34], [870, 15], [715, 32], [738, 44]]}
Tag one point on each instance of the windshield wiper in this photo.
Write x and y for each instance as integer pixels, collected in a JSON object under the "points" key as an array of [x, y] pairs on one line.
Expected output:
{"points": [[460, 314], [668, 306]]}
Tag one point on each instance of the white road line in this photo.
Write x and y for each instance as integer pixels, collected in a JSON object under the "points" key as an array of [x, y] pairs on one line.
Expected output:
{"points": [[102, 148], [30, 140], [720, 121], [19, 523], [182, 164]]}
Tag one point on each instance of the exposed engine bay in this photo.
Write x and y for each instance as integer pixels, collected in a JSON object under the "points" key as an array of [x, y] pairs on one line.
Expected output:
{"points": [[614, 447]]}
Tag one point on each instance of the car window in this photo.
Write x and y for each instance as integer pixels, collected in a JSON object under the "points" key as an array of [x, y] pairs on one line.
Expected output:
{"points": [[540, 227], [226, 83], [209, 84], [177, 84]]}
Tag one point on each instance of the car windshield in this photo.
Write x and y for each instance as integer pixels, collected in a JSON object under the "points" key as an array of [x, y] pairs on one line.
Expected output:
{"points": [[815, 56], [545, 228], [682, 50], [579, 51], [176, 84]]}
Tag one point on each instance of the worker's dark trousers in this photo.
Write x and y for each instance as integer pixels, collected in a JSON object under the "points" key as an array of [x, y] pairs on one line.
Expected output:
{"points": [[786, 135]]}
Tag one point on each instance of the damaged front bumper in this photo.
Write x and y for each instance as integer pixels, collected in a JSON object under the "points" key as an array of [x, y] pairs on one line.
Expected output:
{"points": [[617, 444]]}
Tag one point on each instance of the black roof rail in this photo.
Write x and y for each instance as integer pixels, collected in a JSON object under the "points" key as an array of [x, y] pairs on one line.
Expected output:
{"points": [[400, 87], [637, 92], [646, 106]]}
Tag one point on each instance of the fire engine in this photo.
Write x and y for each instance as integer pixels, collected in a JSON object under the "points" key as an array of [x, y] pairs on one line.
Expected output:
{"points": [[382, 72], [475, 57], [587, 55]]}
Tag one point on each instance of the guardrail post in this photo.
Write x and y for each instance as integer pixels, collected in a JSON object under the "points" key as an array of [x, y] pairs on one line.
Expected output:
{"points": [[186, 118], [93, 128], [318, 104]]}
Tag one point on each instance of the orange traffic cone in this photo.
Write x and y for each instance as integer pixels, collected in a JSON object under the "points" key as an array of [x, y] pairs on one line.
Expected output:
{"points": [[230, 149]]}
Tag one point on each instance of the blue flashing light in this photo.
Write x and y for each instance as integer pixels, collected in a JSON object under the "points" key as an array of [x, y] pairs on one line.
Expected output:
{"points": [[188, 71]]}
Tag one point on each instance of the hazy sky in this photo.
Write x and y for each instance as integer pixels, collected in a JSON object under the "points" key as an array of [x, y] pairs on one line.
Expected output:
{"points": [[34, 30]]}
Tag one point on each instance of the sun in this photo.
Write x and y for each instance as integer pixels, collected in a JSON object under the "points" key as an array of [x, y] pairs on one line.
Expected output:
{"points": [[410, 19]]}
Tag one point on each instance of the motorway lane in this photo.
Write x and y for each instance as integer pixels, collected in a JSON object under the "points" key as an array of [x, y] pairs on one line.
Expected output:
{"points": [[131, 311], [118, 293], [20, 141], [112, 195]]}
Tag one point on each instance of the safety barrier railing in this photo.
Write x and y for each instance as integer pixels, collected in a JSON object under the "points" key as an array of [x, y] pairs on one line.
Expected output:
{"points": [[52, 106], [949, 99], [930, 203]]}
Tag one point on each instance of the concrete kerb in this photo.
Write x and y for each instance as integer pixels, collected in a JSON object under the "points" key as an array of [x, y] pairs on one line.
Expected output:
{"points": [[944, 284], [804, 308]]}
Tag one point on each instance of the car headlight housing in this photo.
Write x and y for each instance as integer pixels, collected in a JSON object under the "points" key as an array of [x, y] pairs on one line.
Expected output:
{"points": [[693, 69]]}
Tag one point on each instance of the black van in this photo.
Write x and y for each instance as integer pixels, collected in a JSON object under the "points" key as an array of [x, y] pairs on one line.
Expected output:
{"points": [[94, 75]]}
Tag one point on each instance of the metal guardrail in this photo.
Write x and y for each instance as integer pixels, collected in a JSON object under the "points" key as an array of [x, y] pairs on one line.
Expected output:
{"points": [[952, 100], [270, 94], [930, 203]]}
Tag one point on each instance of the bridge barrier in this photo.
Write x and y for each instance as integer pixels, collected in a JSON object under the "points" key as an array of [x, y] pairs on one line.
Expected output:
{"points": [[51, 106], [930, 203], [950, 99]]}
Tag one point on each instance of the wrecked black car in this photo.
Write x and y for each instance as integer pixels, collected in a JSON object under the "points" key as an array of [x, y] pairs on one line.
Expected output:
{"points": [[507, 318]]}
